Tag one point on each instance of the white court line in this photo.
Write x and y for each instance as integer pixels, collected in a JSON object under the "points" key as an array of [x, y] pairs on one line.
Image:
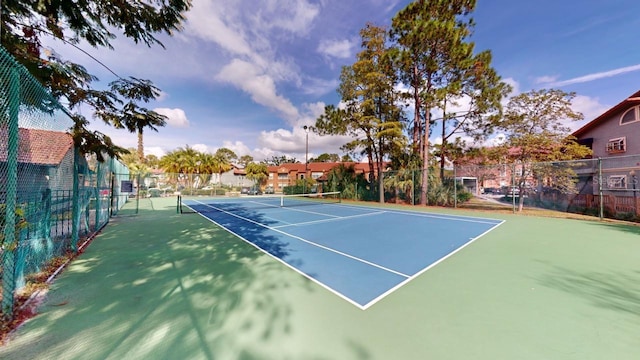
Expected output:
{"points": [[320, 283], [329, 220], [391, 290], [428, 215], [310, 212], [308, 242], [383, 295], [299, 210]]}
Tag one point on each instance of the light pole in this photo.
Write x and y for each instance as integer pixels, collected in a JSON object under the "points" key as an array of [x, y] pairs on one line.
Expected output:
{"points": [[306, 159]]}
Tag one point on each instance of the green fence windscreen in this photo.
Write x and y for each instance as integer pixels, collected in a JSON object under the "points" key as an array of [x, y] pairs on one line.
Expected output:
{"points": [[51, 197]]}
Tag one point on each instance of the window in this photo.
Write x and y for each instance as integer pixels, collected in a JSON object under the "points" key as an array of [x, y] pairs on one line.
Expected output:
{"points": [[631, 115], [617, 145], [283, 176], [617, 182], [270, 176], [316, 174]]}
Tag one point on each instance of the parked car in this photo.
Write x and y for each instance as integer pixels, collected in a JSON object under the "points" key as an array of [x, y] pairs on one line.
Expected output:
{"points": [[255, 191], [491, 190], [268, 190], [244, 190]]}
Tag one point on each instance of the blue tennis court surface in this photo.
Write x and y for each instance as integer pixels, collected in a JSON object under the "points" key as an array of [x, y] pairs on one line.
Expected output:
{"points": [[360, 253]]}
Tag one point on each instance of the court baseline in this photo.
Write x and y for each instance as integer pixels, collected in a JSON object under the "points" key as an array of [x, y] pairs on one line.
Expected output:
{"points": [[359, 257]]}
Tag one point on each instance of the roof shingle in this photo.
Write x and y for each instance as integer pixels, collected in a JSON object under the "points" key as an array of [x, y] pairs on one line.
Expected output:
{"points": [[40, 147]]}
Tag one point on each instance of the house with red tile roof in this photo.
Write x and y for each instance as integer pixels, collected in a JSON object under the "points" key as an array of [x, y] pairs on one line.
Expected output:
{"points": [[45, 160]]}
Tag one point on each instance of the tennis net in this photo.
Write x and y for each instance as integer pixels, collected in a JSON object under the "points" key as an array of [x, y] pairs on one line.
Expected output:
{"points": [[192, 205]]}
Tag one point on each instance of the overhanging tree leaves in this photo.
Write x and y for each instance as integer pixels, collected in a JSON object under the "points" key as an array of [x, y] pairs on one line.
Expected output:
{"points": [[131, 116], [25, 23]]}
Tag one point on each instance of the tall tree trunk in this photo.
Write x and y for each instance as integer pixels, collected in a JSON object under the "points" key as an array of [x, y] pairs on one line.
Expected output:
{"points": [[140, 147], [425, 161], [443, 147], [379, 166], [417, 123], [372, 174]]}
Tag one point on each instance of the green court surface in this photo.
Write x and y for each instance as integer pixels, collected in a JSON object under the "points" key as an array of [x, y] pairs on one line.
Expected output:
{"points": [[165, 286]]}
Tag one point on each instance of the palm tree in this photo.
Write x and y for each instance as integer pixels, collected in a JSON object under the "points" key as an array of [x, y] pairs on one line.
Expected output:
{"points": [[133, 117], [222, 165], [136, 119], [181, 164], [207, 165]]}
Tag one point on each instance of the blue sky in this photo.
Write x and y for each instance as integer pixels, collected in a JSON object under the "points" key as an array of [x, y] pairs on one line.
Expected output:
{"points": [[248, 75]]}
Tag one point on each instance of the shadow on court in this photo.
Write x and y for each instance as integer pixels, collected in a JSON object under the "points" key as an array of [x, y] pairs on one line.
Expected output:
{"points": [[163, 286], [615, 290]]}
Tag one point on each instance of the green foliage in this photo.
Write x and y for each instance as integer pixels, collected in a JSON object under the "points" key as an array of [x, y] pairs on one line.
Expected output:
{"points": [[536, 134], [28, 25], [371, 116], [343, 178], [442, 193], [257, 172], [244, 160], [226, 154], [20, 224], [189, 166], [279, 160], [326, 158]]}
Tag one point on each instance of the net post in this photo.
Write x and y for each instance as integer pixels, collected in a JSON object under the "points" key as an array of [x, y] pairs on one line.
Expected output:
{"points": [[282, 201], [178, 202]]}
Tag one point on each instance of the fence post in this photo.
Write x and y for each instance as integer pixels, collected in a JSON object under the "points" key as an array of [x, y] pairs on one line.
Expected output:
{"points": [[600, 189], [98, 180], [10, 241], [414, 172], [513, 184], [455, 188], [75, 225]]}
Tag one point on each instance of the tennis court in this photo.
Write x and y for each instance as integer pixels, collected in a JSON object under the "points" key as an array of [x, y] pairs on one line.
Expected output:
{"points": [[162, 285], [346, 249]]}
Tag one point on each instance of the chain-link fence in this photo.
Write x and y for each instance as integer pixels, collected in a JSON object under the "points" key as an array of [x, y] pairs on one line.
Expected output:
{"points": [[51, 197], [606, 187]]}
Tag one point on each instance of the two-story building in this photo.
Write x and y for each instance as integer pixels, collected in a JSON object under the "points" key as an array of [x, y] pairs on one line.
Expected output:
{"points": [[614, 137], [287, 174]]}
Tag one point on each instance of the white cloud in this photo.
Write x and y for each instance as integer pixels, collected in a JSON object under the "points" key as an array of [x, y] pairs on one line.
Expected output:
{"points": [[336, 48], [260, 86], [291, 15], [250, 32], [596, 76], [590, 107], [215, 21], [201, 148], [545, 79], [154, 150], [238, 147], [293, 143], [515, 86], [175, 117]]}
